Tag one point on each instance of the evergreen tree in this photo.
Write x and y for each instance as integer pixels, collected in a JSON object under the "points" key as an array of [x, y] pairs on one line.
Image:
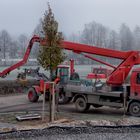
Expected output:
{"points": [[52, 54]]}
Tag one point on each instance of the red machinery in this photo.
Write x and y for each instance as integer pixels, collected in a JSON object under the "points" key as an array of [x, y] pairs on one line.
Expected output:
{"points": [[116, 78], [5, 72], [99, 73], [61, 75]]}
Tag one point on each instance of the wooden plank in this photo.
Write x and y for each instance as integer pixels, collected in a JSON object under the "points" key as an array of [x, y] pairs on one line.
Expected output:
{"points": [[28, 117]]}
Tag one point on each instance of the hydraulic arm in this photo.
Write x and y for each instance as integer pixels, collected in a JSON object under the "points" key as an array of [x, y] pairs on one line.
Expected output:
{"points": [[24, 60], [117, 77]]}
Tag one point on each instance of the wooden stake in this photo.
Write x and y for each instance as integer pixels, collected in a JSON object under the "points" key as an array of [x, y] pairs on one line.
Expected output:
{"points": [[50, 103], [124, 98], [53, 104], [43, 106]]}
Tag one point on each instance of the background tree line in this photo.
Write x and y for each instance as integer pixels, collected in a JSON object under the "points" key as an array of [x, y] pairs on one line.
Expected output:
{"points": [[93, 34], [14, 47], [99, 35], [11, 47]]}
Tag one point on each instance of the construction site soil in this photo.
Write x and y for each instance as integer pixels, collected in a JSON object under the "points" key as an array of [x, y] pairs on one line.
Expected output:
{"points": [[99, 124]]}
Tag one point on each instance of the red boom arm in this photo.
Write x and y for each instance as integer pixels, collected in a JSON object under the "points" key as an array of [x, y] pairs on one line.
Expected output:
{"points": [[24, 60], [117, 77]]}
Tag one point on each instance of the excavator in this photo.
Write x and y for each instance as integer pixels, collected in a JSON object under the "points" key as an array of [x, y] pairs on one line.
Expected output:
{"points": [[116, 95]]}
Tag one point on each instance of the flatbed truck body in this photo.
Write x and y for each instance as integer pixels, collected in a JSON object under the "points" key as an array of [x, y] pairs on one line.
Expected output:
{"points": [[84, 93]]}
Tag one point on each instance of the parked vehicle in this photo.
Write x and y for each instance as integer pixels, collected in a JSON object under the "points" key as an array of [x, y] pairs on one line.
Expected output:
{"points": [[99, 74]]}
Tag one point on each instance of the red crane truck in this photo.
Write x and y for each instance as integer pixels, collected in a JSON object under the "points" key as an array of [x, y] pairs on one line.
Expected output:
{"points": [[113, 95]]}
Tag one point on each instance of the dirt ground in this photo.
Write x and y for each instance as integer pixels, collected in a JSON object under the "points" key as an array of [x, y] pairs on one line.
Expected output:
{"points": [[11, 106]]}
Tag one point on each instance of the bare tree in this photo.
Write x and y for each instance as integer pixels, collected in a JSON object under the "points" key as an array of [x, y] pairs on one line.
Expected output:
{"points": [[37, 31], [23, 40], [13, 49], [126, 38], [5, 41], [95, 34], [114, 42], [136, 35]]}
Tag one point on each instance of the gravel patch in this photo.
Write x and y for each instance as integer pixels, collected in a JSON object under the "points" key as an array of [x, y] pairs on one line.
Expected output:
{"points": [[97, 132], [70, 129]]}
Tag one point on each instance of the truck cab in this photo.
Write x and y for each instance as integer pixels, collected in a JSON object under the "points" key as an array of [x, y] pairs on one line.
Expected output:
{"points": [[63, 73]]}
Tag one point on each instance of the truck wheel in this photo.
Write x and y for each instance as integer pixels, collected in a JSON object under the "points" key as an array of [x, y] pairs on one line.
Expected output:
{"points": [[63, 99], [96, 105], [32, 95], [134, 109], [81, 105]]}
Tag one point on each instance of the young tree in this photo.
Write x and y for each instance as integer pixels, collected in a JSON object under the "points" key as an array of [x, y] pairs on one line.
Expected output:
{"points": [[51, 55]]}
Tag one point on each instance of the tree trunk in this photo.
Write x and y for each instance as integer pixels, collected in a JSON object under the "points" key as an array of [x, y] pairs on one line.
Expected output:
{"points": [[50, 97]]}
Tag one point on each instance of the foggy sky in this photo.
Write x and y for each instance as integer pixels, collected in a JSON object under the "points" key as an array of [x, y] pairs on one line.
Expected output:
{"points": [[22, 16]]}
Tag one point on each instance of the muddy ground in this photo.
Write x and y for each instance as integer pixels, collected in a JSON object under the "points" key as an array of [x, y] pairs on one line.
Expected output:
{"points": [[11, 106]]}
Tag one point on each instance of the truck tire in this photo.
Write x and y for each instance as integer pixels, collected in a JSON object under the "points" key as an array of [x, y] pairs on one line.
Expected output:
{"points": [[32, 95], [63, 99], [134, 109], [81, 105], [96, 105]]}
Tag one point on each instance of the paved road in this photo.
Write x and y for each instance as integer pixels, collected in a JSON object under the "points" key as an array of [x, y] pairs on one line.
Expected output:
{"points": [[20, 103]]}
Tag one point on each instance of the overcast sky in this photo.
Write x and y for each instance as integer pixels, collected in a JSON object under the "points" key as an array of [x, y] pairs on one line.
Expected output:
{"points": [[21, 16]]}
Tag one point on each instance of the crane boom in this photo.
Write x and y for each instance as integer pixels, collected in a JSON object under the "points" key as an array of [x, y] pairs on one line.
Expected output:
{"points": [[118, 76], [77, 47], [24, 60], [97, 60]]}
